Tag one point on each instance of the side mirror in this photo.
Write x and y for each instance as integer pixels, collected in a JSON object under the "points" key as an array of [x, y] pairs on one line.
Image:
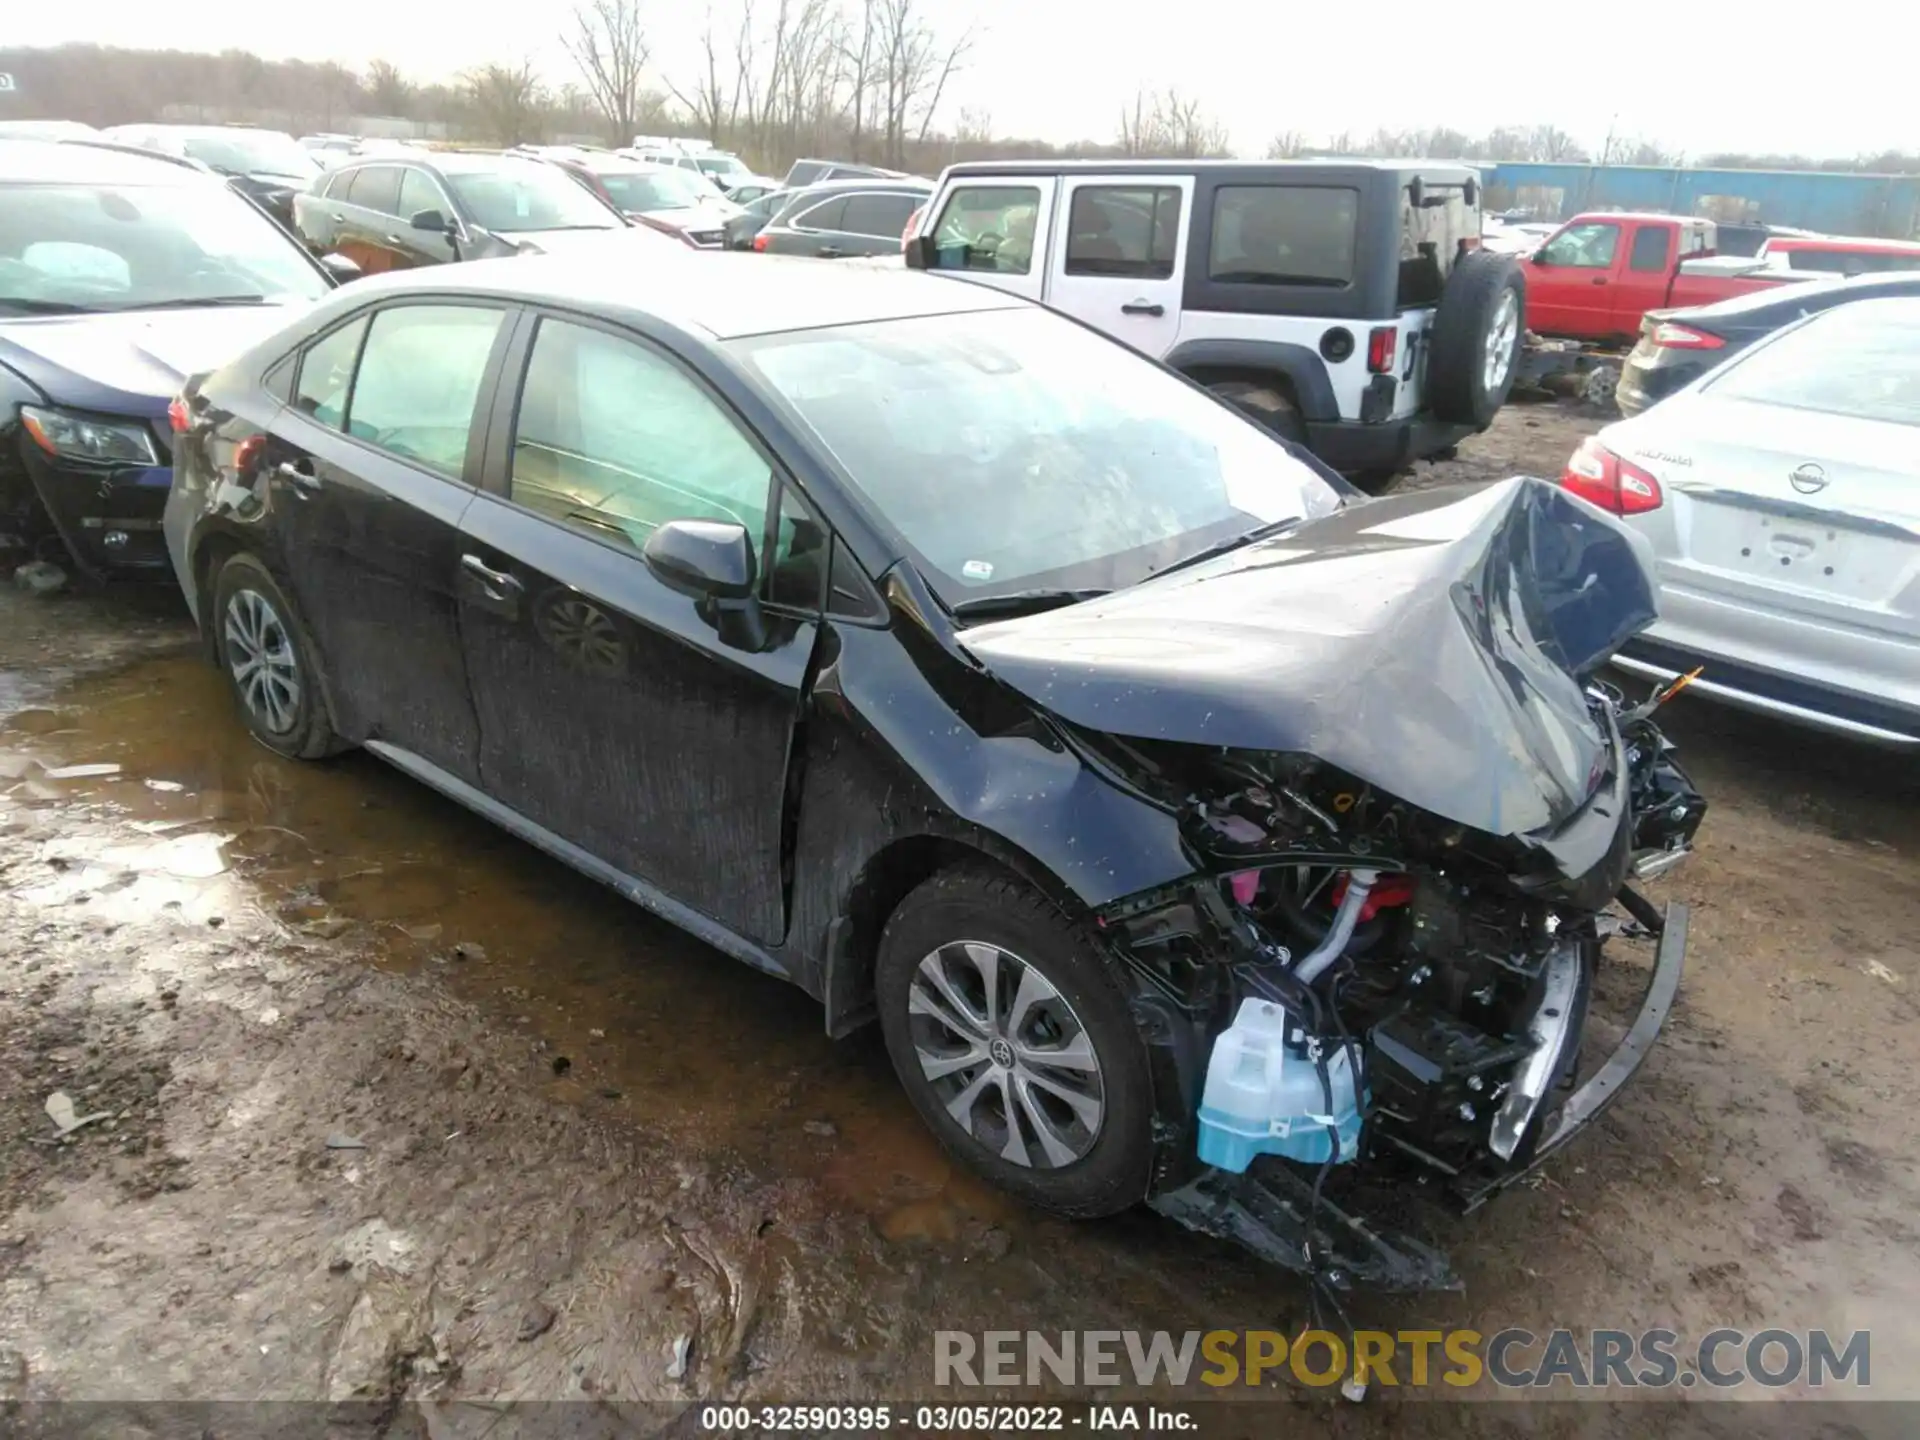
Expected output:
{"points": [[712, 561], [341, 267], [922, 253], [706, 559], [432, 221]]}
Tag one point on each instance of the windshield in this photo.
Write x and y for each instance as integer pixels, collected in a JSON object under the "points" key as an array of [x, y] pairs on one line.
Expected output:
{"points": [[94, 247], [722, 165], [1013, 450], [515, 196], [638, 190], [247, 152]]}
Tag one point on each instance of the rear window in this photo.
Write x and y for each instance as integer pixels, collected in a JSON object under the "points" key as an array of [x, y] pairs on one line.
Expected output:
{"points": [[1431, 234], [1846, 361], [882, 216], [1649, 249], [1284, 235]]}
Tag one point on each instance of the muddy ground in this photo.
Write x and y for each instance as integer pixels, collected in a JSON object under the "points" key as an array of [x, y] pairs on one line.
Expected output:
{"points": [[396, 1108]]}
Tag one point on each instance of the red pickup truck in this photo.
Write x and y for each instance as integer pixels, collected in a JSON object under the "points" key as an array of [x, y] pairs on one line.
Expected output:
{"points": [[1594, 277]]}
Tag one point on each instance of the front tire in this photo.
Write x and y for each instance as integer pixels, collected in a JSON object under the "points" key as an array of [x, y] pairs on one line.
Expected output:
{"points": [[1014, 1043], [268, 662]]}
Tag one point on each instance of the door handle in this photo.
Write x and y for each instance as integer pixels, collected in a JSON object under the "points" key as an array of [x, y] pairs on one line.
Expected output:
{"points": [[1599, 279], [831, 252], [296, 474], [498, 584], [1143, 307], [393, 239]]}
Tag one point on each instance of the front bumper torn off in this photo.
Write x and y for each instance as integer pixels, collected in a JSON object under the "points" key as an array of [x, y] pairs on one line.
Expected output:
{"points": [[1271, 1211]]}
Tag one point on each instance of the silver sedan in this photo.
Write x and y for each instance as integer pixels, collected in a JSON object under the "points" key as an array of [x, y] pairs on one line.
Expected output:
{"points": [[1781, 492]]}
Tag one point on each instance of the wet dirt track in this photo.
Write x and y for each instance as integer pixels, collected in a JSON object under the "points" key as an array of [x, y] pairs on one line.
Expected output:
{"points": [[397, 1107]]}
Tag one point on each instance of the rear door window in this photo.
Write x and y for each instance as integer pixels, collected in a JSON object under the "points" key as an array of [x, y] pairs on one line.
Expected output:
{"points": [[1430, 238], [377, 188], [1284, 234], [1123, 230], [987, 227], [824, 216], [419, 380], [882, 216]]}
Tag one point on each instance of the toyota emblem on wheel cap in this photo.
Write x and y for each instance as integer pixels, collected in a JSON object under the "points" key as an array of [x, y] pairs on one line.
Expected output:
{"points": [[1809, 479]]}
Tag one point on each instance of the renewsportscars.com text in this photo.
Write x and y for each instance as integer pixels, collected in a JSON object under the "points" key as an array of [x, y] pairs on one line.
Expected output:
{"points": [[1512, 1359]]}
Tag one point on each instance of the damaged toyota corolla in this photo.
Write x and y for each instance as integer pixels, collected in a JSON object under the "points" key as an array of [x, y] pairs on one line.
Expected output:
{"points": [[1197, 831]]}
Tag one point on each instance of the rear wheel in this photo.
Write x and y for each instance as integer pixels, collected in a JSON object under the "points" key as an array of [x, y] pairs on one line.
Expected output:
{"points": [[269, 662], [1265, 403], [1015, 1044]]}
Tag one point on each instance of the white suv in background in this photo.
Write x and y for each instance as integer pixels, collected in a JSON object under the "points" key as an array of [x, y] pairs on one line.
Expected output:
{"points": [[1349, 304]]}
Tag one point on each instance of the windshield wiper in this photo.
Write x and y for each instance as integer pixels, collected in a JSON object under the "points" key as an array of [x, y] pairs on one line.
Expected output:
{"points": [[1021, 602], [187, 301], [44, 307], [1260, 532]]}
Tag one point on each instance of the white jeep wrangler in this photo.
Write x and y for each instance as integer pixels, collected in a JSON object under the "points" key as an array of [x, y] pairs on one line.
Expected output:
{"points": [[1346, 304]]}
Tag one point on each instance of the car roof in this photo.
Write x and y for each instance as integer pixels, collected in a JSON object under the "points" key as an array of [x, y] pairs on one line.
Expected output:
{"points": [[884, 184], [1848, 244], [197, 129], [1319, 168], [83, 162], [726, 295]]}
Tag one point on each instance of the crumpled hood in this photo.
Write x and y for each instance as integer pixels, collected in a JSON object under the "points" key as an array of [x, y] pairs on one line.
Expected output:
{"points": [[1430, 644], [132, 362]]}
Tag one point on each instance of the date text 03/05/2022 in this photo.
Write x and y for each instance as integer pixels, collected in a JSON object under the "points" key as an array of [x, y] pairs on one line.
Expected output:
{"points": [[936, 1419]]}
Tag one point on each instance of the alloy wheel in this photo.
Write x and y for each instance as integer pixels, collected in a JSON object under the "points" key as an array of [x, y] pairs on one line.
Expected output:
{"points": [[1006, 1054], [261, 658], [1500, 338]]}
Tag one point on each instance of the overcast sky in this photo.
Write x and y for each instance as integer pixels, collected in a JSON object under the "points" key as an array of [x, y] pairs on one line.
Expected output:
{"points": [[1693, 77]]}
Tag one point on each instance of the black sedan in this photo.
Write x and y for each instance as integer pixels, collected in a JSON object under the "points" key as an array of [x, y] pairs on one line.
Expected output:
{"points": [[954, 662], [1677, 347], [120, 275]]}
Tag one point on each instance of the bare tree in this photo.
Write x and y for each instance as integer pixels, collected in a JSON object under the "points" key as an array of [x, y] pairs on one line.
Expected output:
{"points": [[609, 46], [1552, 144], [914, 68], [507, 101], [1170, 124], [1287, 145], [388, 91]]}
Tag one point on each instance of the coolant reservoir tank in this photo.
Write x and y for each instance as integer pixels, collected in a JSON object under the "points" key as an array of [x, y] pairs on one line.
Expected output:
{"points": [[1264, 1094]]}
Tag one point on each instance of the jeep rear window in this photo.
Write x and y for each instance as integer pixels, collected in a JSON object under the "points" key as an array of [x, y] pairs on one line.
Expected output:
{"points": [[1283, 235]]}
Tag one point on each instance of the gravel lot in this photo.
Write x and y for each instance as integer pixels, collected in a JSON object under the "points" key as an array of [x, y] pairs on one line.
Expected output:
{"points": [[399, 1109]]}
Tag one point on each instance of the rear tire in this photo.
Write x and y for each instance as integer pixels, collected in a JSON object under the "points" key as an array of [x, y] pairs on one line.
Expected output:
{"points": [[1038, 1081], [1266, 404], [269, 662], [1475, 342]]}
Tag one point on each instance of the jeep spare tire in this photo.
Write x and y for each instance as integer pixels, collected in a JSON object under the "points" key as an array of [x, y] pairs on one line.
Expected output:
{"points": [[1473, 349]]}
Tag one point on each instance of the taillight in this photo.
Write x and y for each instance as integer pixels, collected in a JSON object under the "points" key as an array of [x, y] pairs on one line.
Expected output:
{"points": [[1684, 337], [1595, 473], [178, 416], [913, 225], [760, 243], [1383, 344], [246, 453]]}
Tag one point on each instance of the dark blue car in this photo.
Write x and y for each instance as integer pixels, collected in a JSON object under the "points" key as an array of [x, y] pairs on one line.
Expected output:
{"points": [[120, 275]]}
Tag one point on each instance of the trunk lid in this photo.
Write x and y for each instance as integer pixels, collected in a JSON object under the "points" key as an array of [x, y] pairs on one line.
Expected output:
{"points": [[1758, 518], [1431, 644]]}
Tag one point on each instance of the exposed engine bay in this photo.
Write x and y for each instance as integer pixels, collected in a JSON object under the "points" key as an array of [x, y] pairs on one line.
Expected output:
{"points": [[1403, 997]]}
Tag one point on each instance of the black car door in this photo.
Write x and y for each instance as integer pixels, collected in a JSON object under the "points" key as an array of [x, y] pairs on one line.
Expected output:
{"points": [[419, 193], [611, 714], [369, 472]]}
